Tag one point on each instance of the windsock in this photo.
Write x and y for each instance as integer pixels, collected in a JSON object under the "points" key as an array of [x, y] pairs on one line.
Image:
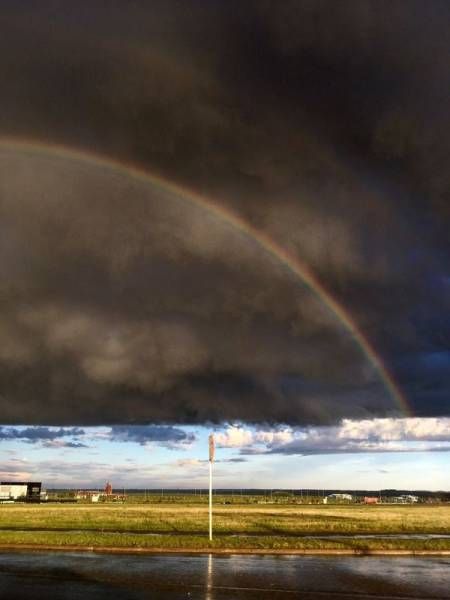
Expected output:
{"points": [[211, 447]]}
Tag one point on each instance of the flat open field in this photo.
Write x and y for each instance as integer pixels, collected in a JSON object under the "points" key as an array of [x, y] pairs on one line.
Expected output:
{"points": [[235, 527]]}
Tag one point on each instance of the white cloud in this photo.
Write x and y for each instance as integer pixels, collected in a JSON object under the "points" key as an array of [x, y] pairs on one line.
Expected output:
{"points": [[235, 437], [370, 435], [188, 462], [437, 429], [238, 437]]}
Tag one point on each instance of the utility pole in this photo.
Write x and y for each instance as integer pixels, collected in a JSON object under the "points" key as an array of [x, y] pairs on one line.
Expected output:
{"points": [[211, 460]]}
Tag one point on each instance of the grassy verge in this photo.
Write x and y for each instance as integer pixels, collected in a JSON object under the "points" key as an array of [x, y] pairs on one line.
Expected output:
{"points": [[185, 527], [168, 542], [257, 520]]}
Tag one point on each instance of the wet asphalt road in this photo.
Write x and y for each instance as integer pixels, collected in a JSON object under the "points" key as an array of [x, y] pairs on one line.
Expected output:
{"points": [[88, 576]]}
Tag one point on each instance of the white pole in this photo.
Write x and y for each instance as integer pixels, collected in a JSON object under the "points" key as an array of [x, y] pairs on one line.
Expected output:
{"points": [[210, 500], [211, 460]]}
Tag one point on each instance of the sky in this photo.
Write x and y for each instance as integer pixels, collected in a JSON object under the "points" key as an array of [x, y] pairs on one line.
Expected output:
{"points": [[372, 454], [225, 217]]}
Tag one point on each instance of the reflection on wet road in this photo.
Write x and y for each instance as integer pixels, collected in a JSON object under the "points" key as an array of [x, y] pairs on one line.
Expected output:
{"points": [[94, 576]]}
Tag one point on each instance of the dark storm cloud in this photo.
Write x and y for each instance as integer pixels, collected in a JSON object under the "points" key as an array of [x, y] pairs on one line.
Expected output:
{"points": [[127, 305], [144, 434], [39, 434], [323, 124]]}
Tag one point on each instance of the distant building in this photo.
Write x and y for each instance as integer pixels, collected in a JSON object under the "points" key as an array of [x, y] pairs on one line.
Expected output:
{"points": [[96, 496], [28, 491], [338, 498], [405, 499], [371, 500], [89, 495]]}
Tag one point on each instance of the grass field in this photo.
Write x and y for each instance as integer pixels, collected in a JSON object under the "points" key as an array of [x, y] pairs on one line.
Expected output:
{"points": [[236, 527]]}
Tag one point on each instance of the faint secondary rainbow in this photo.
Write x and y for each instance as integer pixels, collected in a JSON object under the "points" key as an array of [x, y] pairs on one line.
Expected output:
{"points": [[293, 264]]}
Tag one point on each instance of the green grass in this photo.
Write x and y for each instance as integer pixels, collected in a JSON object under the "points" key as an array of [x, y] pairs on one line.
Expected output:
{"points": [[168, 542], [236, 527]]}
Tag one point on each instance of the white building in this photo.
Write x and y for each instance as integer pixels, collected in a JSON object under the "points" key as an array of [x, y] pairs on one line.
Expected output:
{"points": [[338, 498], [89, 495], [405, 499], [13, 491]]}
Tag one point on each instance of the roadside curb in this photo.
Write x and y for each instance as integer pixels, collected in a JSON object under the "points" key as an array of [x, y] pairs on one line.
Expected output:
{"points": [[218, 551]]}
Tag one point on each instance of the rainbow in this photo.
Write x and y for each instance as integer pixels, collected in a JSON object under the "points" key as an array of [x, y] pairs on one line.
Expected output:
{"points": [[291, 263]]}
